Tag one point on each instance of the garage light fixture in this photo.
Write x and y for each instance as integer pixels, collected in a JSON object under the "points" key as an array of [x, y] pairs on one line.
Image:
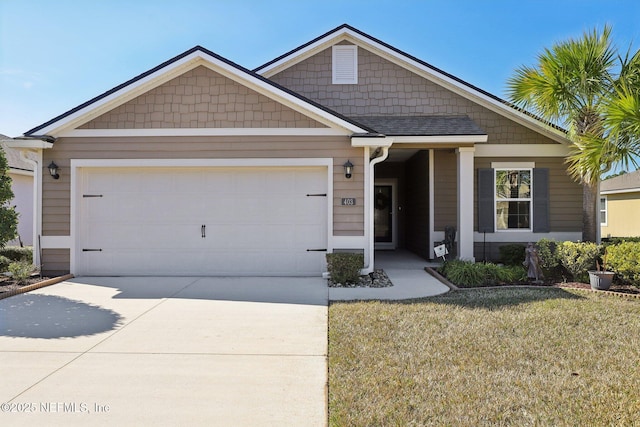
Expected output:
{"points": [[53, 170], [348, 169]]}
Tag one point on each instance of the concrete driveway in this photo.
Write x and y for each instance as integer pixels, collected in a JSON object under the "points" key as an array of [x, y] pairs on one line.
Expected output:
{"points": [[166, 351]]}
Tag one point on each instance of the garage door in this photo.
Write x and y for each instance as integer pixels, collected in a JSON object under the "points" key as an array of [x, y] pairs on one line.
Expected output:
{"points": [[202, 221]]}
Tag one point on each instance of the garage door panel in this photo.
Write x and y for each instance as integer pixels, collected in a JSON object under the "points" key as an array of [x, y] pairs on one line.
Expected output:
{"points": [[259, 221]]}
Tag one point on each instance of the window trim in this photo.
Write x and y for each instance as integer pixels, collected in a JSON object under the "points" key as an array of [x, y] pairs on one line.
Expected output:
{"points": [[605, 210], [338, 62], [510, 167]]}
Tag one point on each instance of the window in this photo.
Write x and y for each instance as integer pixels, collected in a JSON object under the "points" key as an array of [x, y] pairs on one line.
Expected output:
{"points": [[345, 64], [513, 199], [603, 210]]}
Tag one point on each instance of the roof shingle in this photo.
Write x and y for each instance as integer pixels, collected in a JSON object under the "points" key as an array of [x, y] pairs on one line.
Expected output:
{"points": [[421, 125]]}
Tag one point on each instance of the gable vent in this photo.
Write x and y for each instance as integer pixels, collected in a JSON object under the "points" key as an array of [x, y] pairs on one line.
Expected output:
{"points": [[345, 64]]}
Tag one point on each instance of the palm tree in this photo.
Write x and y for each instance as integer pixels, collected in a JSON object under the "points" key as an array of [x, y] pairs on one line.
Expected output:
{"points": [[572, 86]]}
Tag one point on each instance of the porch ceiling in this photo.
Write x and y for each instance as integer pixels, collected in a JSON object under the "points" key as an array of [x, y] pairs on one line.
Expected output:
{"points": [[399, 155]]}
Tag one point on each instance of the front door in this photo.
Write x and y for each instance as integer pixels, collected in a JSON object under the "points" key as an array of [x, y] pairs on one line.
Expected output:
{"points": [[383, 215]]}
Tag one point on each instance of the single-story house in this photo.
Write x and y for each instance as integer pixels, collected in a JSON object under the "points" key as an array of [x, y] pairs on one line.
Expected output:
{"points": [[200, 166], [619, 206], [21, 173]]}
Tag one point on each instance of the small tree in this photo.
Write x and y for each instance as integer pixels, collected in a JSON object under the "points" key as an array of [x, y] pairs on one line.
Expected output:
{"points": [[8, 214], [586, 86]]}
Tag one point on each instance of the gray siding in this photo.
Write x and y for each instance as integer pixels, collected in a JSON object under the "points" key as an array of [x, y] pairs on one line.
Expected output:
{"points": [[201, 98], [386, 88], [445, 189], [348, 221]]}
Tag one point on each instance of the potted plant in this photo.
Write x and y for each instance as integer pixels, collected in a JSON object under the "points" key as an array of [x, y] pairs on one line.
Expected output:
{"points": [[601, 278]]}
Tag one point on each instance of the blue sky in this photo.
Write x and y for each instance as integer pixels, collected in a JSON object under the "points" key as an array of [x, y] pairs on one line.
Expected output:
{"points": [[57, 54]]}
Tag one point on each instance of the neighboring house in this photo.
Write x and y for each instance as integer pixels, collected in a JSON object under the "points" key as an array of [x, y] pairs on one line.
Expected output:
{"points": [[620, 205], [202, 167], [21, 173]]}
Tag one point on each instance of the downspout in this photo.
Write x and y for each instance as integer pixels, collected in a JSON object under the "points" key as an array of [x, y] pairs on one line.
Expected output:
{"points": [[371, 240]]}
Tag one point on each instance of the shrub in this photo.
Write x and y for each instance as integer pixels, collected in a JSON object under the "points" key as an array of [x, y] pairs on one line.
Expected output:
{"points": [[20, 271], [17, 253], [512, 274], [618, 240], [624, 259], [4, 263], [8, 214], [512, 254], [344, 267], [470, 274], [547, 250], [578, 258], [464, 273]]}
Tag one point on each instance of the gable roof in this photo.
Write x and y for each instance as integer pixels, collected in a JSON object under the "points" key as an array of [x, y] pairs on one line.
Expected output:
{"points": [[418, 66], [625, 183], [174, 67]]}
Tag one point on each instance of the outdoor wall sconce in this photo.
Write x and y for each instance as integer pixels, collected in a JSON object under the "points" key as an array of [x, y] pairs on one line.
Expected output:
{"points": [[348, 169], [53, 170]]}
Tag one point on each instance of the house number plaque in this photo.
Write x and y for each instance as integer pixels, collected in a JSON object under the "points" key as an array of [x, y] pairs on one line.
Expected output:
{"points": [[348, 201]]}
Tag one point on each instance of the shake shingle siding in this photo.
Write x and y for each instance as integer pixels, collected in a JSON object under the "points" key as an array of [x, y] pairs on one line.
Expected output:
{"points": [[385, 88]]}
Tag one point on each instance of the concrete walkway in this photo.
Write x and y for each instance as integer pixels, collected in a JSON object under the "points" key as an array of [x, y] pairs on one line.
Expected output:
{"points": [[406, 271], [166, 351]]}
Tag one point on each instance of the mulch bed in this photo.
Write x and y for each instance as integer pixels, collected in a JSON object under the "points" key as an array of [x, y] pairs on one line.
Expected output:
{"points": [[376, 279], [9, 287], [7, 284], [615, 287]]}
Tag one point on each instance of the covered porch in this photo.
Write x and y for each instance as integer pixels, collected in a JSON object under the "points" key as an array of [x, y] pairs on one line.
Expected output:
{"points": [[424, 187]]}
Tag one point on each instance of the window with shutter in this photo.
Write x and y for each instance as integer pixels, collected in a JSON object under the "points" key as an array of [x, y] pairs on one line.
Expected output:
{"points": [[513, 197], [541, 205], [345, 64]]}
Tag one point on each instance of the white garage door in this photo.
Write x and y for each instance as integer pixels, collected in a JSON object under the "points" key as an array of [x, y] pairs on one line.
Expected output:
{"points": [[202, 221]]}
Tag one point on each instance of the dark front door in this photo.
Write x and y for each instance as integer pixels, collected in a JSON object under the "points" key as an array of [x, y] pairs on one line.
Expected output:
{"points": [[383, 214]]}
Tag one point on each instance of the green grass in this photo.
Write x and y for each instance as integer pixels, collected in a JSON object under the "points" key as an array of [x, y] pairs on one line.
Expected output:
{"points": [[486, 357]]}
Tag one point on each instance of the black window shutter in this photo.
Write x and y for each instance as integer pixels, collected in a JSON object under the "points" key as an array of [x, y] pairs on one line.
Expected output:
{"points": [[486, 193], [541, 200]]}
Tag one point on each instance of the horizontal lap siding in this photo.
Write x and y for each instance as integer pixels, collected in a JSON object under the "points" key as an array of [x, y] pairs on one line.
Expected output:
{"points": [[622, 220], [565, 195], [445, 189], [348, 221], [55, 261]]}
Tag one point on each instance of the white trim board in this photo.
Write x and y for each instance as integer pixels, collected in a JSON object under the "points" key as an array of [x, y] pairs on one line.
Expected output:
{"points": [[55, 242], [522, 150], [526, 236], [627, 190], [98, 133], [442, 139], [519, 237]]}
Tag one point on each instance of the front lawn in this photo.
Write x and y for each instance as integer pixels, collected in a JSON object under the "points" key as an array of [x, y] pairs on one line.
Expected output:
{"points": [[486, 357]]}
